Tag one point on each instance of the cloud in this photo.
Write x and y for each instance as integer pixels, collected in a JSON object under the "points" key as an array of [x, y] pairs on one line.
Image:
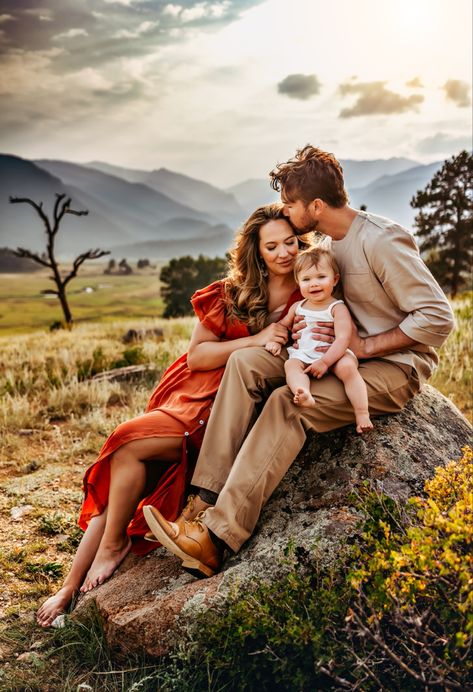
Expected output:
{"points": [[207, 10], [299, 86], [125, 3], [415, 83], [6, 18], [172, 10], [143, 28], [442, 143], [375, 99], [458, 91], [42, 13], [72, 33]]}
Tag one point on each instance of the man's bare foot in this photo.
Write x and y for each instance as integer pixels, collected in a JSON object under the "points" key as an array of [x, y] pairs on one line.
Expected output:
{"points": [[303, 398], [55, 605], [105, 563], [363, 423]]}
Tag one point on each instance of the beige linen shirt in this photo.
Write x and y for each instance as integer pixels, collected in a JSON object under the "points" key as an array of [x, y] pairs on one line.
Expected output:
{"points": [[386, 284]]}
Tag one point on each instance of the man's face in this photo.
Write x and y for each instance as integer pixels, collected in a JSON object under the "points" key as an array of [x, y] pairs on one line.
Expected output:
{"points": [[300, 216]]}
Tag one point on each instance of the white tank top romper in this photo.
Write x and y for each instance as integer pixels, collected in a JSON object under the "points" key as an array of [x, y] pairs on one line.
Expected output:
{"points": [[307, 344]]}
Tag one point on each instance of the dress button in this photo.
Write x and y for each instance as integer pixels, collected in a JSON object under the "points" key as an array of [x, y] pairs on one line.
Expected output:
{"points": [[201, 422], [186, 434]]}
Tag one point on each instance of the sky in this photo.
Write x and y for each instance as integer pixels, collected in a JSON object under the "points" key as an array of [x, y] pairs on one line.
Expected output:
{"points": [[224, 89]]}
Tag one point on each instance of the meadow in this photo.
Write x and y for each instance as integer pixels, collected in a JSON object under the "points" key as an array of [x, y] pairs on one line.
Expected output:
{"points": [[54, 417], [93, 296]]}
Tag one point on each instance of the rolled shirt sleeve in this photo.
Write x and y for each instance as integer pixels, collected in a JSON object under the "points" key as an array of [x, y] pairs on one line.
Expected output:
{"points": [[410, 285]]}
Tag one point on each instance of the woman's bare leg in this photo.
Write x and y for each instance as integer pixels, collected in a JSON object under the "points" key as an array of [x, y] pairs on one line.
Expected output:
{"points": [[127, 482], [346, 369], [56, 604], [299, 382]]}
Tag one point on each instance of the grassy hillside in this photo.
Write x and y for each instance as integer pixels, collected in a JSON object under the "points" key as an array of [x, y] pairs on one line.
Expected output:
{"points": [[54, 418]]}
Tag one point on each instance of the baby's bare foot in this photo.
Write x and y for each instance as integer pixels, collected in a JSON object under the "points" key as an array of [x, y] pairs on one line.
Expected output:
{"points": [[106, 561], [304, 398], [55, 605], [363, 423]]}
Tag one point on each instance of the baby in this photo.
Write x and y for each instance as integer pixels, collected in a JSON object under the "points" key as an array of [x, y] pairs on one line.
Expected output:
{"points": [[317, 274]]}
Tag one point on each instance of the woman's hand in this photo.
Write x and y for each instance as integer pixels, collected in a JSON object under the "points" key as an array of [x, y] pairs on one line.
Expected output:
{"points": [[324, 331], [273, 332]]}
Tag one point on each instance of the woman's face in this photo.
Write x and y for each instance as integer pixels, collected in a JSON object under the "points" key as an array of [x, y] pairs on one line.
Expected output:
{"points": [[278, 246]]}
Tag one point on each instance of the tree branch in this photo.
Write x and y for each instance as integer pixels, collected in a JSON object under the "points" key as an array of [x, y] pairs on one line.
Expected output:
{"points": [[22, 252], [65, 209], [80, 259], [38, 208]]}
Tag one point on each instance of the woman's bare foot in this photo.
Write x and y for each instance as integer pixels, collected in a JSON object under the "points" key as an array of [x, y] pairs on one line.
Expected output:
{"points": [[105, 563], [363, 423], [55, 605], [304, 398]]}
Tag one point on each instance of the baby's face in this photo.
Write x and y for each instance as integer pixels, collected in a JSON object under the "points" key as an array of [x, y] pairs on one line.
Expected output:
{"points": [[317, 282]]}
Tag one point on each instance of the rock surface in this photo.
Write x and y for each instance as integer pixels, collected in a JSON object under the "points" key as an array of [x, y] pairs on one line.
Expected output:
{"points": [[147, 597]]}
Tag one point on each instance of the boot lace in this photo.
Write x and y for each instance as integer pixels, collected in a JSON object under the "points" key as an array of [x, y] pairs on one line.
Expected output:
{"points": [[198, 521], [189, 504]]}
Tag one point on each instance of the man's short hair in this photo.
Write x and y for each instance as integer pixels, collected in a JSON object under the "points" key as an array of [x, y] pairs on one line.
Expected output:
{"points": [[311, 174]]}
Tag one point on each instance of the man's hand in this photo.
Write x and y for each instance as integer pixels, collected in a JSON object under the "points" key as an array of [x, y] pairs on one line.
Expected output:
{"points": [[324, 331], [318, 369], [357, 344]]}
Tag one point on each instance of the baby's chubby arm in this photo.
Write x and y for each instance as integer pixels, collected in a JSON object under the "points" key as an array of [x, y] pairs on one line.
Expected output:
{"points": [[274, 347], [343, 326]]}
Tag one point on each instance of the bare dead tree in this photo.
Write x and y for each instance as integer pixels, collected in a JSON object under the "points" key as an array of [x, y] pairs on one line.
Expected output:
{"points": [[48, 259]]}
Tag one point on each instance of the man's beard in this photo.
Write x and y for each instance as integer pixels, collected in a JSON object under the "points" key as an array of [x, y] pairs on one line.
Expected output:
{"points": [[307, 225]]}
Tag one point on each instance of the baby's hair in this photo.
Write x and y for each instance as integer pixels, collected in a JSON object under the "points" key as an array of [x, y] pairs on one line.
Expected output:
{"points": [[313, 256]]}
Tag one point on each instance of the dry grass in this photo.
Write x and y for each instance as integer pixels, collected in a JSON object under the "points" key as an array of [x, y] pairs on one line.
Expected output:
{"points": [[453, 376], [53, 420]]}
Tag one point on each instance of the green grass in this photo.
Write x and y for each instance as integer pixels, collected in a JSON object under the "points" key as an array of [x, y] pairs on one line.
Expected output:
{"points": [[23, 308]]}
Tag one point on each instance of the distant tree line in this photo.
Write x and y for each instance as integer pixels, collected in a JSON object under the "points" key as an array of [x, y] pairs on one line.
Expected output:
{"points": [[183, 276]]}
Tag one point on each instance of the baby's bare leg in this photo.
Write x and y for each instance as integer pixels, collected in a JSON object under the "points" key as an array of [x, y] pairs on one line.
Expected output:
{"points": [[299, 382], [346, 370]]}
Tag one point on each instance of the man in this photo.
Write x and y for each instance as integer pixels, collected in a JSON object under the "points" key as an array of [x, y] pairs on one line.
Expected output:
{"points": [[400, 313]]}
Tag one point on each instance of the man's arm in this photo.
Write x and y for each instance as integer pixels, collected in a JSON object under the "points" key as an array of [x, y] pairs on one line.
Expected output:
{"points": [[396, 262], [381, 344]]}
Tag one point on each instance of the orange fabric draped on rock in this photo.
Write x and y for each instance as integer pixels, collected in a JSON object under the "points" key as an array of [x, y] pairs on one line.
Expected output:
{"points": [[178, 407]]}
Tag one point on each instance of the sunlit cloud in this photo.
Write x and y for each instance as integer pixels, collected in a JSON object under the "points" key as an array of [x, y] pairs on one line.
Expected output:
{"points": [[300, 86], [458, 91], [213, 10], [172, 10], [6, 18], [72, 33], [375, 99], [415, 83], [143, 28]]}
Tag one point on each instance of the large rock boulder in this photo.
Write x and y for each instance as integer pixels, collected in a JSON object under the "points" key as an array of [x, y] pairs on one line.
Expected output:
{"points": [[148, 598]]}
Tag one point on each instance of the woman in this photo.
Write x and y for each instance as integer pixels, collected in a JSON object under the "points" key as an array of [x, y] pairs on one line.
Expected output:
{"points": [[148, 460]]}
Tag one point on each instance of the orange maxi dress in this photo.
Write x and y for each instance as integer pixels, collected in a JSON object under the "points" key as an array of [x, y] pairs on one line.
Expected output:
{"points": [[179, 406]]}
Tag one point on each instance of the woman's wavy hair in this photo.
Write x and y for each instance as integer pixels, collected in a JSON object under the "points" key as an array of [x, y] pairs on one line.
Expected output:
{"points": [[246, 285]]}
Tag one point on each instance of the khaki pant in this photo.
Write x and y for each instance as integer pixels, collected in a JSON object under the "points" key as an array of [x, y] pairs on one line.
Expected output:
{"points": [[245, 456]]}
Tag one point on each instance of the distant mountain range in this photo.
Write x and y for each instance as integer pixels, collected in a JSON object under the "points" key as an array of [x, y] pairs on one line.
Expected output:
{"points": [[162, 214]]}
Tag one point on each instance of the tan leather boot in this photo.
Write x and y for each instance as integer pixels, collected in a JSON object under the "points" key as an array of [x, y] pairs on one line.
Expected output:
{"points": [[193, 506], [190, 541]]}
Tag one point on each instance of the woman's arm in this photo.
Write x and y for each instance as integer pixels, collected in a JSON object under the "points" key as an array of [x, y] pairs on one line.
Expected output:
{"points": [[207, 351]]}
